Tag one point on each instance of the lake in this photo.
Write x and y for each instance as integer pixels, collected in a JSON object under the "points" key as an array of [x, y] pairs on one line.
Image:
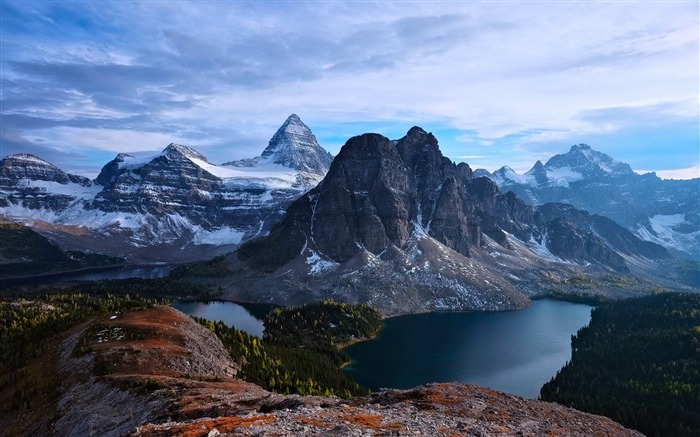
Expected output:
{"points": [[92, 274], [515, 351], [246, 318]]}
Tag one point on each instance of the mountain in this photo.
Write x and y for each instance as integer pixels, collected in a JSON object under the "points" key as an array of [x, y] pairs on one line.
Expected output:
{"points": [[397, 225], [177, 199], [293, 146], [666, 212]]}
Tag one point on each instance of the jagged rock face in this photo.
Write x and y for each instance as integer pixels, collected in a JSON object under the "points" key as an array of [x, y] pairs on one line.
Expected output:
{"points": [[171, 182], [25, 178], [665, 212], [27, 166], [400, 211], [374, 195]]}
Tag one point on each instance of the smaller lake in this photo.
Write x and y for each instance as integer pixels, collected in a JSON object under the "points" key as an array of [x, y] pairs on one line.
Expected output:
{"points": [[232, 314], [514, 351], [93, 274]]}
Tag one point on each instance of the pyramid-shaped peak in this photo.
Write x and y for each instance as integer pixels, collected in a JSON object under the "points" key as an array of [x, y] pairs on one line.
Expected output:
{"points": [[537, 168], [295, 146], [292, 126]]}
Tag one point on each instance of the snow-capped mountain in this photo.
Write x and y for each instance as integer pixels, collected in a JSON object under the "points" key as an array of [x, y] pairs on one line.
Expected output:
{"points": [[396, 225], [175, 198], [666, 212], [293, 146]]}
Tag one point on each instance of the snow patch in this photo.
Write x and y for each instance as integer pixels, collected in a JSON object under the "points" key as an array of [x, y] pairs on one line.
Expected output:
{"points": [[224, 235], [318, 265], [663, 226], [507, 174], [562, 176]]}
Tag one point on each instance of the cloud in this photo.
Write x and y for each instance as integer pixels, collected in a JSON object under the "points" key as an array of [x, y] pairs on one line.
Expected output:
{"points": [[519, 78]]}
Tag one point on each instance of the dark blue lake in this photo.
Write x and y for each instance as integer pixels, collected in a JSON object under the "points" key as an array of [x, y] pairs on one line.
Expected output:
{"points": [[515, 351]]}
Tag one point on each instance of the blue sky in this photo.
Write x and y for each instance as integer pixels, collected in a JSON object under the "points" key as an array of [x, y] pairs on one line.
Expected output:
{"points": [[497, 82]]}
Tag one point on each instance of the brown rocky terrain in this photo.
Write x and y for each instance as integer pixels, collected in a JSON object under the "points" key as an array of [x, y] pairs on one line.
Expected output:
{"points": [[158, 373]]}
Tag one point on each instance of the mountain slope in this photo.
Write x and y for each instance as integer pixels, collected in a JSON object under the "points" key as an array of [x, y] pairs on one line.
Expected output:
{"points": [[25, 252], [148, 209], [666, 212], [396, 225]]}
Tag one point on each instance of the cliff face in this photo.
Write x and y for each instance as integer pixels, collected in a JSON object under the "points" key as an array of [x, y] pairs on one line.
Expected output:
{"points": [[397, 225], [175, 379]]}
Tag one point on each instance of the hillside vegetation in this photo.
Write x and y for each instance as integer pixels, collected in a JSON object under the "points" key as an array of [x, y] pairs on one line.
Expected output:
{"points": [[300, 349], [26, 252], [638, 362]]}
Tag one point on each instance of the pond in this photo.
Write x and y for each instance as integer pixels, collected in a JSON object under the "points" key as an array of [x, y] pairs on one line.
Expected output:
{"points": [[248, 318], [515, 351]]}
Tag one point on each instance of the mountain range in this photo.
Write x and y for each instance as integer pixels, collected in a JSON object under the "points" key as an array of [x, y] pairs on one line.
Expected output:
{"points": [[396, 225], [392, 223], [176, 200], [663, 211]]}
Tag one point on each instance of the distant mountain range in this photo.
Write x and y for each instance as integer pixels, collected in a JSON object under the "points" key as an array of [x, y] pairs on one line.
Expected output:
{"points": [[176, 200], [662, 211]]}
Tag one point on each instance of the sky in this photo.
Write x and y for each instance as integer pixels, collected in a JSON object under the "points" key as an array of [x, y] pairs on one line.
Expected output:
{"points": [[497, 82]]}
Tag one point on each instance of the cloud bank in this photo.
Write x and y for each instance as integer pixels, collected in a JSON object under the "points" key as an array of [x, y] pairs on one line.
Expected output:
{"points": [[497, 82]]}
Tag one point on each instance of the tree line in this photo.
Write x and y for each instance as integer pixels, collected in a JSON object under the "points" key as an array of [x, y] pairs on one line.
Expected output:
{"points": [[637, 362], [300, 350]]}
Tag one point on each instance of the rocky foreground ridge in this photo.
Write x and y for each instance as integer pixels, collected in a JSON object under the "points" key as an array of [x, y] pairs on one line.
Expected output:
{"points": [[175, 378]]}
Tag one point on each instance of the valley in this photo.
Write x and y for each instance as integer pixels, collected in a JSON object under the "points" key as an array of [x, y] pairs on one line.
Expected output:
{"points": [[385, 266], [160, 373]]}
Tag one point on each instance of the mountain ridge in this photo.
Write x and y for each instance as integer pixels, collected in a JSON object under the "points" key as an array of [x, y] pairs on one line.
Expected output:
{"points": [[175, 199], [666, 212]]}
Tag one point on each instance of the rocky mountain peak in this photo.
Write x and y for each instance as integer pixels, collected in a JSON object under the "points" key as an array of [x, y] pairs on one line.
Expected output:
{"points": [[579, 147], [28, 166], [295, 146], [588, 163]]}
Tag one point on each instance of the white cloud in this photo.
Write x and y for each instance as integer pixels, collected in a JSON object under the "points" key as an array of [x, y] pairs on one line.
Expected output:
{"points": [[112, 140], [228, 73]]}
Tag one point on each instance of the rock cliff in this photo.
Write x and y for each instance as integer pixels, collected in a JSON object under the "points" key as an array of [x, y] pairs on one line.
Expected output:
{"points": [[434, 235]]}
